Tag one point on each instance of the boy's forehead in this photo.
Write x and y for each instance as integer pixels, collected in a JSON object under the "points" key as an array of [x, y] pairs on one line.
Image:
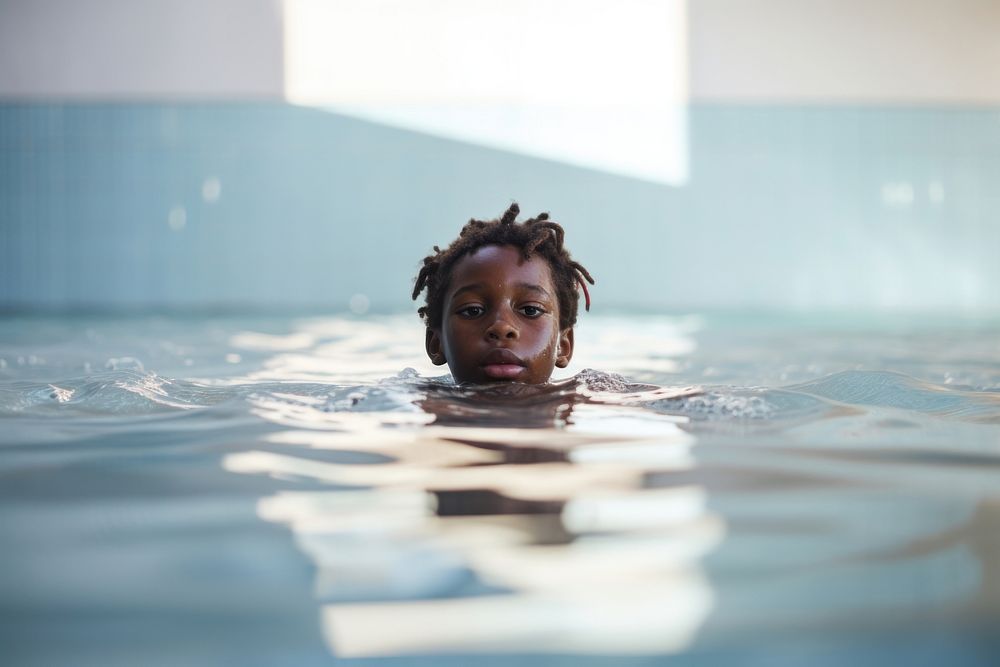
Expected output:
{"points": [[501, 263]]}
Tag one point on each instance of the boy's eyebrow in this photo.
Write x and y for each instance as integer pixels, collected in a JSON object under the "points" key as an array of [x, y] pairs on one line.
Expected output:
{"points": [[467, 288], [534, 288], [472, 287]]}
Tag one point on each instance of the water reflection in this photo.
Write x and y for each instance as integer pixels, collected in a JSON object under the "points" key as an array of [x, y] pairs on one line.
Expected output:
{"points": [[504, 519]]}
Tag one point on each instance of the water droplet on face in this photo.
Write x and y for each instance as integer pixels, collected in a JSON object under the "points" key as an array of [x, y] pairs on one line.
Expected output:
{"points": [[359, 304], [177, 219], [211, 189]]}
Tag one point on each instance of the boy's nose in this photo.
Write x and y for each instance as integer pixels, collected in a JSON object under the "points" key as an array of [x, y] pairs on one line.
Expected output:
{"points": [[501, 328]]}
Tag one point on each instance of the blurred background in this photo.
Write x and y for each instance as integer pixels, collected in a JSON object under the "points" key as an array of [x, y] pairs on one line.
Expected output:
{"points": [[819, 155]]}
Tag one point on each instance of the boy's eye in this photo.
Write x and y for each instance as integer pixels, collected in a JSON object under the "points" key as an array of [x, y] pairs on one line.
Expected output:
{"points": [[471, 311], [532, 311]]}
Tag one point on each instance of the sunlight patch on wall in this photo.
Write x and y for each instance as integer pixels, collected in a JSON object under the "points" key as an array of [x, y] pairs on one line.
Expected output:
{"points": [[586, 82]]}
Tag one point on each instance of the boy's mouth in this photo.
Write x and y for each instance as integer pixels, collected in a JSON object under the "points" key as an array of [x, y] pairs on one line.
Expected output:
{"points": [[502, 364]]}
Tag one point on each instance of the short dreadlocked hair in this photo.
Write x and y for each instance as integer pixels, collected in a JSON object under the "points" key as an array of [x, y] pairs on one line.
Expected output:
{"points": [[536, 235]]}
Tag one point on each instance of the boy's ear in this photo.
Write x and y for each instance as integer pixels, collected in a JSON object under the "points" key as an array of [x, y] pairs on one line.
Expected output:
{"points": [[565, 351], [432, 343]]}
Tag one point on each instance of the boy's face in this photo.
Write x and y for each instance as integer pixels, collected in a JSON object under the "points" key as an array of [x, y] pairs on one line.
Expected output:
{"points": [[500, 320]]}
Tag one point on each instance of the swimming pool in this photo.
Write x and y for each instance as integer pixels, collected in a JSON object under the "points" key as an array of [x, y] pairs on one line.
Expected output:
{"points": [[726, 489]]}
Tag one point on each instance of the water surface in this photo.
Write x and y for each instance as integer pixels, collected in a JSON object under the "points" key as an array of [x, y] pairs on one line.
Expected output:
{"points": [[723, 489]]}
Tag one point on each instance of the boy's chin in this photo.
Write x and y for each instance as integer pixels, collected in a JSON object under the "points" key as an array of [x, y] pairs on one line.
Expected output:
{"points": [[496, 376]]}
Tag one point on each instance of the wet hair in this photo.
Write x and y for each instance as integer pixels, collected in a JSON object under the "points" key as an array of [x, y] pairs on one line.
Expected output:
{"points": [[538, 235]]}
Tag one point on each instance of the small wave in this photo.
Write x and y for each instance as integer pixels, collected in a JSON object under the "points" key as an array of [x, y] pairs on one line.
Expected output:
{"points": [[601, 381], [719, 405], [127, 389], [116, 392], [896, 390]]}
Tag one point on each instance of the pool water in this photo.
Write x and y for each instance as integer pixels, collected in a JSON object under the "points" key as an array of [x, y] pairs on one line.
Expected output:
{"points": [[723, 489]]}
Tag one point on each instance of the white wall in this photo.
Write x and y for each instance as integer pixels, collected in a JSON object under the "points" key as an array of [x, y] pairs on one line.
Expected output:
{"points": [[864, 51], [867, 51], [141, 49]]}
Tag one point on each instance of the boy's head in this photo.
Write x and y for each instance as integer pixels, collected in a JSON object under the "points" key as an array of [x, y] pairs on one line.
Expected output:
{"points": [[502, 300]]}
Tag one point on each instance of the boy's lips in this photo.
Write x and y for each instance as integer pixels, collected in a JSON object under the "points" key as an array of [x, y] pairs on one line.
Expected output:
{"points": [[502, 364]]}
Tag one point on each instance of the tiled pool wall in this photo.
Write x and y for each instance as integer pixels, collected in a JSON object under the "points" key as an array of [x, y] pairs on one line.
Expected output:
{"points": [[267, 204]]}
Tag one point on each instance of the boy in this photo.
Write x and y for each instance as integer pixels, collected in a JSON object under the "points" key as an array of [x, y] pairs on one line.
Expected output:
{"points": [[501, 301]]}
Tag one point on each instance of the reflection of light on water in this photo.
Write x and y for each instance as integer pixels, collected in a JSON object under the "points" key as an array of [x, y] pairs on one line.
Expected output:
{"points": [[654, 453], [156, 389], [540, 481], [627, 421], [624, 578], [339, 350], [638, 617], [252, 340], [661, 508], [346, 511], [617, 345], [308, 412], [631, 593]]}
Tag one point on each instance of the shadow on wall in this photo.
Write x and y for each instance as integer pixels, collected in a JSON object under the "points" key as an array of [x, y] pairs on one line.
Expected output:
{"points": [[271, 205]]}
